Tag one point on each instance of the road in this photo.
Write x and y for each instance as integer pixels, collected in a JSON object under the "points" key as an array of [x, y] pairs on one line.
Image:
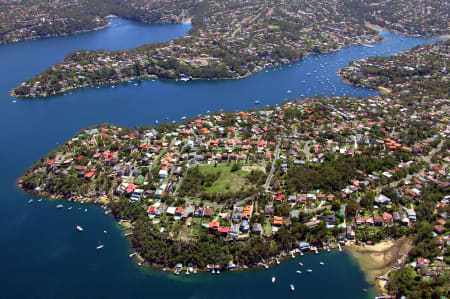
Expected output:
{"points": [[272, 170]]}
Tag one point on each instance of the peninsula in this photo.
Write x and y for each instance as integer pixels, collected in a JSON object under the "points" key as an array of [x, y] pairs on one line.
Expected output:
{"points": [[234, 39], [233, 190]]}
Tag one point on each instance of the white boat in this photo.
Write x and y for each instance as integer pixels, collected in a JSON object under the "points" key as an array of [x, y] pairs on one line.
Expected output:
{"points": [[85, 210], [289, 91], [301, 253], [301, 264], [156, 122], [79, 228], [30, 201], [257, 102], [309, 270], [298, 272], [99, 246], [217, 271], [322, 263], [273, 279], [368, 45], [183, 118], [291, 286], [105, 232], [213, 271], [14, 101], [60, 206], [278, 262], [40, 199], [316, 251], [133, 254]]}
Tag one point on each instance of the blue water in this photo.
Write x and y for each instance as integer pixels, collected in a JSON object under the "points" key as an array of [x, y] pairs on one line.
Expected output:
{"points": [[42, 256]]}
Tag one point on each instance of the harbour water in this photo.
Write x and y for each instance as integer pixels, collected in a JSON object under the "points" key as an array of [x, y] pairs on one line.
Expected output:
{"points": [[43, 256]]}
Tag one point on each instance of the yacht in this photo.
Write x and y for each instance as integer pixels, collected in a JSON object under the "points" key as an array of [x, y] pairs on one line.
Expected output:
{"points": [[298, 272], [309, 270], [291, 286], [99, 246], [273, 279], [322, 263], [40, 199], [30, 201], [69, 208], [79, 228], [257, 102], [60, 206]]}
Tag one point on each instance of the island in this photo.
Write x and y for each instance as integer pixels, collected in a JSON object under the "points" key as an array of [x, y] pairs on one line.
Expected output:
{"points": [[233, 190], [234, 39]]}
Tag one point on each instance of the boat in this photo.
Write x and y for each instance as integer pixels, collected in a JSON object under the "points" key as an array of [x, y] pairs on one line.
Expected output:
{"points": [[156, 122], [368, 46], [60, 206], [30, 201], [99, 246], [14, 101], [217, 271], [40, 199], [278, 262], [298, 272], [365, 290], [105, 232], [273, 279], [213, 271], [316, 251], [322, 263], [79, 228], [183, 118], [164, 269], [139, 264], [133, 254], [257, 102], [289, 91], [187, 272], [309, 270], [266, 266], [301, 264], [291, 286], [301, 253], [85, 210]]}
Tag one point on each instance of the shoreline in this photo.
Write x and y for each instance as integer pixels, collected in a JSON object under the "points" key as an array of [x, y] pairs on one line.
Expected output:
{"points": [[153, 76], [379, 259]]}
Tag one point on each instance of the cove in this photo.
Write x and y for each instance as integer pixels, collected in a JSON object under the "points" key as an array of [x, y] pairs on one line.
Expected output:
{"points": [[43, 256]]}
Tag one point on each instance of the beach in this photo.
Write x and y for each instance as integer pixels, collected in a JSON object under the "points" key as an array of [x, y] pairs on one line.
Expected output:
{"points": [[377, 260]]}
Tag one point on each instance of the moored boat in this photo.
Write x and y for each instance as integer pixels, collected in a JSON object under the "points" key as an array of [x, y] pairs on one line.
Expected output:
{"points": [[291, 286], [273, 279], [79, 228]]}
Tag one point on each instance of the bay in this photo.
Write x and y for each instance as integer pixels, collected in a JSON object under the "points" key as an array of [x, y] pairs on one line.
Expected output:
{"points": [[42, 254]]}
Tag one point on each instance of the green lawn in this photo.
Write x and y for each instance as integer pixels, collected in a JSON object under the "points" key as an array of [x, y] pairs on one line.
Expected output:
{"points": [[228, 181]]}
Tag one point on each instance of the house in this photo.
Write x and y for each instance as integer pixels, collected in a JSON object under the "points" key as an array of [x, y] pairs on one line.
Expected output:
{"points": [[350, 234], [304, 246], [277, 220], [269, 210], [331, 219], [208, 212], [224, 231], [378, 221], [198, 212], [387, 218], [396, 217], [188, 212], [171, 211], [234, 231], [244, 227], [257, 228], [287, 222], [439, 229], [214, 225], [381, 199]]}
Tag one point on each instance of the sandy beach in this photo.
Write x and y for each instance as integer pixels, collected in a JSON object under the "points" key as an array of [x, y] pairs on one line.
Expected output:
{"points": [[376, 260]]}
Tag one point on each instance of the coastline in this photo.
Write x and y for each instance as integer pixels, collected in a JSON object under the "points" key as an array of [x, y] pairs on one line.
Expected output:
{"points": [[379, 259]]}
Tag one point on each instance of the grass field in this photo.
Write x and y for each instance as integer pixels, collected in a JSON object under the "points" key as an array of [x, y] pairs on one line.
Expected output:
{"points": [[228, 181]]}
